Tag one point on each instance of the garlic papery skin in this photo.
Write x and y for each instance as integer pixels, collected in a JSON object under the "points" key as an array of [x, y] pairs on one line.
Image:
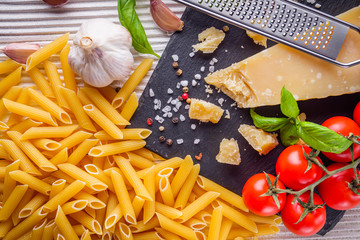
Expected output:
{"points": [[101, 53], [19, 52], [164, 17]]}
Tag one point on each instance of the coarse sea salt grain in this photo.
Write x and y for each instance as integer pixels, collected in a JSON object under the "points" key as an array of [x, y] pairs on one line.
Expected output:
{"points": [[175, 109], [180, 141], [170, 91], [318, 5], [173, 102], [178, 85], [187, 106], [175, 58], [184, 83], [221, 101], [178, 105], [151, 92], [215, 60], [169, 100], [182, 117], [159, 119], [202, 69], [193, 126], [167, 108], [212, 63], [211, 69], [193, 83], [197, 76], [191, 54], [196, 141]]}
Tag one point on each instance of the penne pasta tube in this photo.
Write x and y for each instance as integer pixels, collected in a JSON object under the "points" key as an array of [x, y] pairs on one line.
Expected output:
{"points": [[23, 126], [225, 228], [86, 235], [32, 152], [176, 227], [79, 229], [37, 201], [97, 116], [57, 187], [164, 234], [87, 221], [15, 152], [112, 203], [82, 150], [68, 73], [113, 217], [84, 98], [74, 206], [174, 163], [5, 227], [48, 230], [132, 82], [45, 52], [185, 191], [78, 173], [167, 211], [9, 183], [149, 183], [123, 197], [30, 112], [104, 106], [40, 81], [38, 229], [2, 173], [10, 80], [62, 197], [46, 144], [273, 220], [24, 99], [77, 109], [236, 216], [125, 232], [166, 191], [263, 229], [99, 174], [142, 227], [138, 204], [116, 148], [225, 194], [55, 82], [12, 202], [134, 180], [33, 182], [94, 202], [64, 225], [181, 175], [146, 153], [24, 201], [8, 65], [26, 225], [195, 224], [4, 155], [137, 160], [108, 92], [3, 126], [50, 106], [215, 224], [128, 133], [128, 109], [150, 235], [60, 157], [12, 94]]}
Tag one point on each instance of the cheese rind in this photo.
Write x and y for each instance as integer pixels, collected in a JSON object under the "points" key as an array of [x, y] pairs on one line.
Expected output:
{"points": [[209, 39], [229, 152], [258, 80], [205, 111]]}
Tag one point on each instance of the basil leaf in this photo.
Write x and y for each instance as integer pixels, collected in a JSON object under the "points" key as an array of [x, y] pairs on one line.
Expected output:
{"points": [[321, 138], [130, 20], [288, 106], [268, 124], [288, 134]]}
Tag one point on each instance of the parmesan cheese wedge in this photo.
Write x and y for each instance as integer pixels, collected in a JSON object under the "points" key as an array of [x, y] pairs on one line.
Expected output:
{"points": [[205, 111], [229, 152], [257, 80]]}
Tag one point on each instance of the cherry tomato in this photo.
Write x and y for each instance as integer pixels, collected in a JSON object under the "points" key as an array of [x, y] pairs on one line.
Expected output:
{"points": [[311, 224], [291, 165], [335, 190], [262, 205], [356, 114], [344, 126]]}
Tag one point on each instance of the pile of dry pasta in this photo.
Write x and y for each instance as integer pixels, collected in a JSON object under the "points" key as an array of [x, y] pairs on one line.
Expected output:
{"points": [[70, 170]]}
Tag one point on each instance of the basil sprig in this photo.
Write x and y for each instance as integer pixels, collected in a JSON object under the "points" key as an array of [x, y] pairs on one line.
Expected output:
{"points": [[292, 129], [130, 20]]}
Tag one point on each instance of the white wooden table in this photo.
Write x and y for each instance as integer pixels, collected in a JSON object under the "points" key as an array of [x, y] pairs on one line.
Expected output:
{"points": [[34, 21]]}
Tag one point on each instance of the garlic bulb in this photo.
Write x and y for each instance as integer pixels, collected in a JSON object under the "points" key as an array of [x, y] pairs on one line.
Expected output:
{"points": [[101, 53]]}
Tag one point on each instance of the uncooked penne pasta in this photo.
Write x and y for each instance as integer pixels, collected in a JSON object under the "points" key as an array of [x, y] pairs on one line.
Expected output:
{"points": [[30, 112], [77, 109], [3, 126], [50, 106], [94, 202], [128, 134], [82, 150], [105, 123], [174, 163], [68, 73], [12, 94], [5, 227], [195, 224], [132, 82], [24, 99], [215, 224], [181, 175], [141, 226], [87, 221], [151, 235], [33, 182], [166, 191], [176, 227], [108, 92], [38, 229], [104, 106], [99, 174], [64, 225], [113, 217], [49, 132], [45, 52], [46, 144], [116, 148], [146, 153], [60, 157], [274, 219], [8, 65], [48, 230], [263, 229], [40, 81], [125, 232], [9, 183], [12, 201], [32, 152], [74, 206], [57, 187], [86, 235], [225, 227], [128, 109], [11, 80], [78, 173], [138, 204], [37, 201], [164, 234], [167, 211], [23, 126]]}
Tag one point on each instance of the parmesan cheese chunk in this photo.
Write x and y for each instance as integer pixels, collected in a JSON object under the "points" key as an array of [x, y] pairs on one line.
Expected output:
{"points": [[257, 80], [229, 152], [261, 141], [205, 111], [210, 39], [257, 38]]}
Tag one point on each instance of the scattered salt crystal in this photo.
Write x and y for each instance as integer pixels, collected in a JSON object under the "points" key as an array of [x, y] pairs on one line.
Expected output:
{"points": [[187, 106], [159, 119], [211, 69], [167, 108], [180, 141], [212, 63], [178, 105], [191, 54], [226, 50], [207, 96], [178, 85], [197, 76], [202, 69], [193, 126], [151, 92], [175, 109], [242, 46], [181, 117], [175, 58], [221, 101], [173, 102], [184, 83], [170, 114], [169, 100], [193, 83], [215, 60], [318, 5], [196, 141], [170, 91]]}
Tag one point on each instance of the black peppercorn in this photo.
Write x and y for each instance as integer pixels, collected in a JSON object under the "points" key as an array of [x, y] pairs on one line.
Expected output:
{"points": [[161, 139], [169, 142], [175, 120]]}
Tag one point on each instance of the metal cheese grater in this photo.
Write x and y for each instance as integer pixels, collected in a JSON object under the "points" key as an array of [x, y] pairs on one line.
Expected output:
{"points": [[283, 21]]}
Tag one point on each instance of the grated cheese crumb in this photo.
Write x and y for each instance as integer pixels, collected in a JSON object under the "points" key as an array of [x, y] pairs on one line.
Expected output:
{"points": [[227, 114]]}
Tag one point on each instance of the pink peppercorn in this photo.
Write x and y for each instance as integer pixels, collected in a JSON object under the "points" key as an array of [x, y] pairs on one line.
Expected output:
{"points": [[185, 95]]}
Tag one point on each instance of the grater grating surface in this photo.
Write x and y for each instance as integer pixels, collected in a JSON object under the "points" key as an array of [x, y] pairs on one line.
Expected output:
{"points": [[284, 21]]}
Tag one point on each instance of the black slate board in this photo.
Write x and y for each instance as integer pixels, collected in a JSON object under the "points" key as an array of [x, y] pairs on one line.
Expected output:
{"points": [[235, 47]]}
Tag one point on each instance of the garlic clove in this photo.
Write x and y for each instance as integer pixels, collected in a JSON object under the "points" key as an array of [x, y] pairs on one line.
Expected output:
{"points": [[164, 17], [19, 52]]}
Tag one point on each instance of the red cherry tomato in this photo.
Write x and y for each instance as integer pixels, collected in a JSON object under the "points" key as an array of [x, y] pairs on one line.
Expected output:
{"points": [[311, 224], [344, 126], [356, 114], [335, 191], [291, 165], [262, 205]]}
